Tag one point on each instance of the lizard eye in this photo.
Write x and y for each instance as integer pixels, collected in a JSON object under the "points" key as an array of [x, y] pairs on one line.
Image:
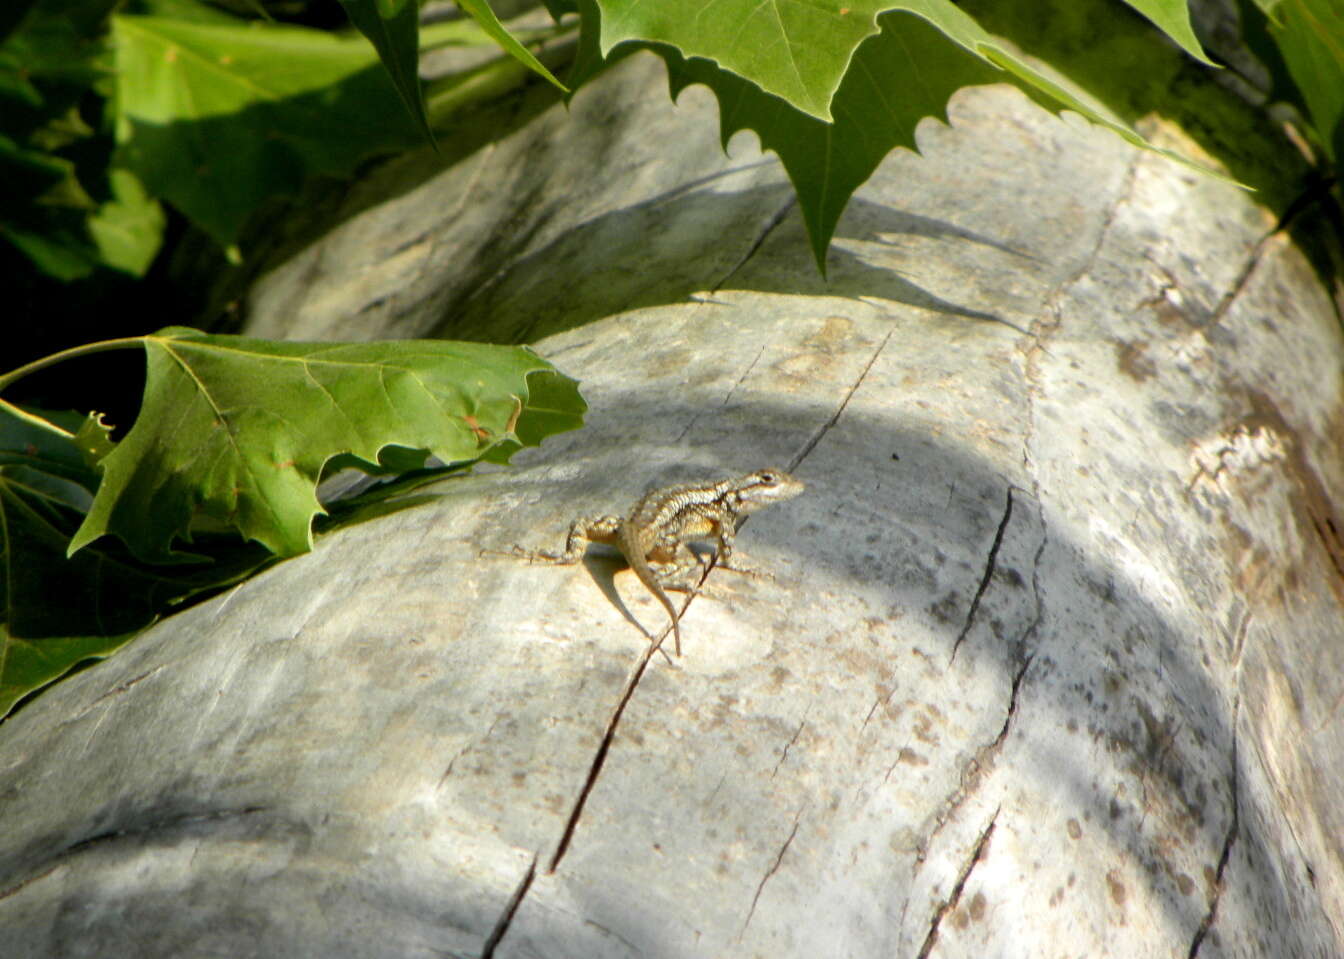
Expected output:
{"points": [[768, 476]]}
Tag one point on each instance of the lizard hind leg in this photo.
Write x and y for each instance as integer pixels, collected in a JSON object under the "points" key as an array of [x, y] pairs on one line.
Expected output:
{"points": [[592, 529]]}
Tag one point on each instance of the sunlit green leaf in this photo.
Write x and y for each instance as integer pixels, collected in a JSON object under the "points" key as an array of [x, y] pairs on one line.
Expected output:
{"points": [[798, 52], [128, 229], [215, 119], [801, 53], [480, 11], [906, 73], [241, 429]]}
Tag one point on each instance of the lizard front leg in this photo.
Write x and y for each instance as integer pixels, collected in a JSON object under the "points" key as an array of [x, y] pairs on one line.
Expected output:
{"points": [[724, 525], [679, 569], [683, 571]]}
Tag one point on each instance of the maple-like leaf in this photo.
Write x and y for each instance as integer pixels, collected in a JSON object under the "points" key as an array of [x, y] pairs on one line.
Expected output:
{"points": [[239, 430]]}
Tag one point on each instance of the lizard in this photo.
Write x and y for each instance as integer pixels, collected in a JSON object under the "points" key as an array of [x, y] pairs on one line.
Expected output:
{"points": [[654, 537]]}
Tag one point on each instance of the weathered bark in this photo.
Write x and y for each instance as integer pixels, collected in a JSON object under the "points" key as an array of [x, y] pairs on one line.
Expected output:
{"points": [[1047, 662]]}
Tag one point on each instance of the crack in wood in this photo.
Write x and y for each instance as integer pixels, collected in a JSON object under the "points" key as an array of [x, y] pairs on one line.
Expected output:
{"points": [[600, 757], [769, 227], [952, 900], [604, 747], [169, 824], [835, 417], [1052, 315], [1229, 840], [877, 701], [1242, 279], [1012, 706], [118, 690], [774, 868], [691, 423], [971, 774], [510, 908], [990, 564], [789, 745], [630, 948], [23, 883], [609, 735]]}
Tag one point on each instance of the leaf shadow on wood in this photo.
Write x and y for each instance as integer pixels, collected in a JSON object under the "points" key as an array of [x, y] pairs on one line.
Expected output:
{"points": [[688, 244]]}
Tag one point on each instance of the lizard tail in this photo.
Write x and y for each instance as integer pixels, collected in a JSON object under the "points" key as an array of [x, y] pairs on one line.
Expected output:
{"points": [[634, 555]]}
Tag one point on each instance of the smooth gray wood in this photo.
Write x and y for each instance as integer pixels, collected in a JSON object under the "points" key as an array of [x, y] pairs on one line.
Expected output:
{"points": [[1046, 662]]}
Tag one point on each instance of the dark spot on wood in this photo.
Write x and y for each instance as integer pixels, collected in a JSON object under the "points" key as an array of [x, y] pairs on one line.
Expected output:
{"points": [[1133, 360], [911, 758], [977, 907], [1116, 887]]}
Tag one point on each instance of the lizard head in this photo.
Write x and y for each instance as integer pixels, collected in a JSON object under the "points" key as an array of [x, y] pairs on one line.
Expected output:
{"points": [[764, 487]]}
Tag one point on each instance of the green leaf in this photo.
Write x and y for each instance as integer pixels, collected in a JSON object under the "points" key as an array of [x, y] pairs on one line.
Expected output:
{"points": [[128, 229], [215, 119], [44, 594], [58, 252], [38, 176], [46, 207], [589, 60], [1047, 90], [27, 665], [1257, 18], [52, 159], [906, 73], [57, 54], [191, 11], [385, 496], [827, 162], [455, 33], [1310, 36], [553, 406], [480, 12], [391, 461], [801, 52], [49, 442], [94, 439], [393, 27], [797, 51], [1172, 17], [12, 14], [56, 612], [240, 429]]}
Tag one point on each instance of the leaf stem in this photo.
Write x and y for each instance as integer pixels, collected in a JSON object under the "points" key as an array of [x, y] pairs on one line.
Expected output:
{"points": [[102, 346], [37, 421]]}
